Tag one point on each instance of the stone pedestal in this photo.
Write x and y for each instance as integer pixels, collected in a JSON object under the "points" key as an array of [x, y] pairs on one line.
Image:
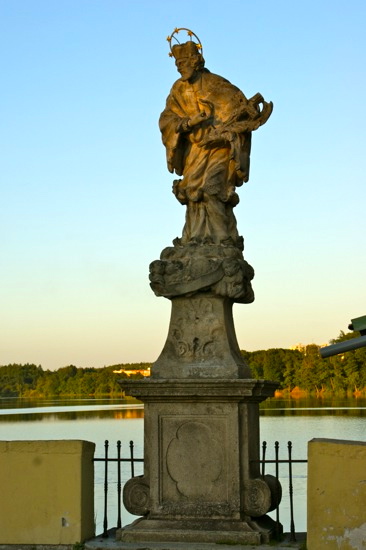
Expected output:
{"points": [[201, 341], [201, 480]]}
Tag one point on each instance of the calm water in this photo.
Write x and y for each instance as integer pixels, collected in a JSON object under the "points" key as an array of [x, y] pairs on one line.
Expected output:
{"points": [[296, 420]]}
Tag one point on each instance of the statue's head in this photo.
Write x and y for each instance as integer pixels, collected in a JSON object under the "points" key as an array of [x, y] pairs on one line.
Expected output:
{"points": [[188, 59], [188, 56]]}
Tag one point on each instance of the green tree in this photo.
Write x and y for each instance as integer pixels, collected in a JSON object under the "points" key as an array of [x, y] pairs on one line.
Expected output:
{"points": [[292, 359], [312, 375], [19, 380]]}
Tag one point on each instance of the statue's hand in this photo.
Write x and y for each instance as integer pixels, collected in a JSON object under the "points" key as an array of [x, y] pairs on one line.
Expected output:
{"points": [[198, 119], [203, 115]]}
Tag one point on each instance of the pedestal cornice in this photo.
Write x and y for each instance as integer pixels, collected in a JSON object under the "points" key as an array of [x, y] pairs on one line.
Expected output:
{"points": [[239, 390]]}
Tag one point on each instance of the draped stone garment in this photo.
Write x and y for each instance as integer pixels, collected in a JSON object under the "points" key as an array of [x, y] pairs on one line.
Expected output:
{"points": [[212, 157]]}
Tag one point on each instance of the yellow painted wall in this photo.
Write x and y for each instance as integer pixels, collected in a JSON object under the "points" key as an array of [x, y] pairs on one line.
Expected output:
{"points": [[336, 495], [46, 492]]}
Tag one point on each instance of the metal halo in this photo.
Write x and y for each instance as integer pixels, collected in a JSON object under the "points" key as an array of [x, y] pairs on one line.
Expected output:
{"points": [[190, 34]]}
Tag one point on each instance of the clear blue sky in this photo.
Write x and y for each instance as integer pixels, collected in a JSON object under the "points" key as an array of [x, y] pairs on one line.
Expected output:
{"points": [[86, 200]]}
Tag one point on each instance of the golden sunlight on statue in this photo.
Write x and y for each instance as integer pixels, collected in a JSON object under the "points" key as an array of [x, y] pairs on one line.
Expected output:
{"points": [[206, 128]]}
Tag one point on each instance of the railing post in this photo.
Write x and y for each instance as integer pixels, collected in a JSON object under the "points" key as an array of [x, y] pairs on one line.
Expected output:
{"points": [[119, 485], [105, 520], [277, 448], [292, 525], [132, 460], [264, 448]]}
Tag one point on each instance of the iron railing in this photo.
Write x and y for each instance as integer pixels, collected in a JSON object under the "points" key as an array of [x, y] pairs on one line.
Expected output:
{"points": [[277, 461], [132, 460]]}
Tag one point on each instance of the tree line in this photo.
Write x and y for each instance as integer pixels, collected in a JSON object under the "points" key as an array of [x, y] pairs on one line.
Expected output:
{"points": [[303, 369], [300, 369], [30, 380]]}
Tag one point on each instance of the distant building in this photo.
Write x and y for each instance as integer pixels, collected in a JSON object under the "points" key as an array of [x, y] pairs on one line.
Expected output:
{"points": [[144, 372], [300, 347]]}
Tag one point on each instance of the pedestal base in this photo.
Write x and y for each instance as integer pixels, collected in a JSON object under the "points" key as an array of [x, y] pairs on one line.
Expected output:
{"points": [[218, 532], [202, 480]]}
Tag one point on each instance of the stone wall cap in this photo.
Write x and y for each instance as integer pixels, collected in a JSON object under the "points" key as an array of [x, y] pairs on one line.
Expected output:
{"points": [[337, 441], [48, 446]]}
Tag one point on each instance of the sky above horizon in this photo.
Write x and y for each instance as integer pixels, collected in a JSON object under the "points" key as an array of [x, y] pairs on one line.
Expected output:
{"points": [[86, 201]]}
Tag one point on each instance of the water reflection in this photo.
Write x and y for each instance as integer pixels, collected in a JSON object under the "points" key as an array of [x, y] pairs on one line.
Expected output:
{"points": [[49, 410], [138, 412], [37, 402], [35, 409], [314, 406]]}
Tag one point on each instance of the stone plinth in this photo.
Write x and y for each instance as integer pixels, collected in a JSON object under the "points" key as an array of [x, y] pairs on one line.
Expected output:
{"points": [[201, 480], [201, 341]]}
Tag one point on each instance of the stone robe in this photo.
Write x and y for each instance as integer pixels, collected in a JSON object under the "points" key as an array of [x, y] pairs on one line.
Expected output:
{"points": [[212, 157]]}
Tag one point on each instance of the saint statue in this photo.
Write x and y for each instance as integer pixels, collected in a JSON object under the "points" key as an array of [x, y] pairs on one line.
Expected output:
{"points": [[202, 480], [206, 128]]}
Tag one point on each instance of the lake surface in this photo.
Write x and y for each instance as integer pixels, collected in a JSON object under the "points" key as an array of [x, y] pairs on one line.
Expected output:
{"points": [[97, 420]]}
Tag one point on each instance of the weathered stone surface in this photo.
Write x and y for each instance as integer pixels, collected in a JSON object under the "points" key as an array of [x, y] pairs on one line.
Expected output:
{"points": [[201, 479], [217, 389], [201, 459], [233, 532], [257, 497], [185, 270], [136, 496], [201, 341], [206, 128]]}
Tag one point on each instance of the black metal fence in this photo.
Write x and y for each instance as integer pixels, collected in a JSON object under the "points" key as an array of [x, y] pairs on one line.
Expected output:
{"points": [[289, 462], [277, 463], [119, 461]]}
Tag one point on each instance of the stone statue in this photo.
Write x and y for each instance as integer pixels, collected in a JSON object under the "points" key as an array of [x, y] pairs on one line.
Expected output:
{"points": [[202, 480], [206, 128]]}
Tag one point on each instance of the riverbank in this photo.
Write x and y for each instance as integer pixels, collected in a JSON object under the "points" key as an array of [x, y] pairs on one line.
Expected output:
{"points": [[299, 393]]}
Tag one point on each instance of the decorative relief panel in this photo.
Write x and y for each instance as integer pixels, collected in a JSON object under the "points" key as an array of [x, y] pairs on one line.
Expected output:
{"points": [[196, 465], [195, 460], [197, 332]]}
